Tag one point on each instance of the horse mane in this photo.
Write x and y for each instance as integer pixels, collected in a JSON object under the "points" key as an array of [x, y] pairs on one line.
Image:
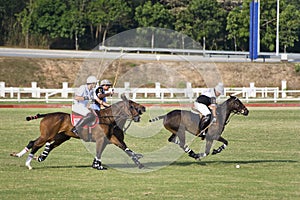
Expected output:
{"points": [[225, 103]]}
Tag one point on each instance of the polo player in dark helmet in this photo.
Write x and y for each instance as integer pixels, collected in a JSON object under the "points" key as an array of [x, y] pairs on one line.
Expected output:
{"points": [[206, 104]]}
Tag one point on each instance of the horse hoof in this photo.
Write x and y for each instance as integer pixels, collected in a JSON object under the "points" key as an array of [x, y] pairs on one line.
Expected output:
{"points": [[29, 167], [14, 154], [141, 166], [100, 168], [214, 152], [36, 158], [139, 156]]}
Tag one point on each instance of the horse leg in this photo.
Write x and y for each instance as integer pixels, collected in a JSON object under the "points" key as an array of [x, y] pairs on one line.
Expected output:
{"points": [[134, 156], [100, 146], [172, 138], [222, 147], [208, 145], [36, 146], [58, 140], [25, 150], [181, 136]]}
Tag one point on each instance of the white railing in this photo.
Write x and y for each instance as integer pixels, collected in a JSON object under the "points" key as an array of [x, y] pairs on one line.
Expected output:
{"points": [[156, 94]]}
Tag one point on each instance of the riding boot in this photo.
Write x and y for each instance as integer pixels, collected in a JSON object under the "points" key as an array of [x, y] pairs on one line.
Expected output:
{"points": [[204, 122], [82, 122]]}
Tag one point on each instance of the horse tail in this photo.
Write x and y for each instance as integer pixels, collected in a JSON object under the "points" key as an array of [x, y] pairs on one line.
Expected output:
{"points": [[157, 118], [35, 117]]}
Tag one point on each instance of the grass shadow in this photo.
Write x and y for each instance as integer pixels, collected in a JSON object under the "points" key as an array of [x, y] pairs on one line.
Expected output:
{"points": [[164, 164], [178, 163]]}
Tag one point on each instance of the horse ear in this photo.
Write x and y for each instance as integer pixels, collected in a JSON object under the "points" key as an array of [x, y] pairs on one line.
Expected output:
{"points": [[123, 97]]}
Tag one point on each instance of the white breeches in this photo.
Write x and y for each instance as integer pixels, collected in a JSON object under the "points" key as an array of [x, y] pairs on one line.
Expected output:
{"points": [[80, 109], [202, 108]]}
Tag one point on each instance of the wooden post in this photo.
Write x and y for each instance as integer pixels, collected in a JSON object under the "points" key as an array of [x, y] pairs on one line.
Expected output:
{"points": [[64, 93], [2, 89], [34, 89], [157, 89], [283, 88]]}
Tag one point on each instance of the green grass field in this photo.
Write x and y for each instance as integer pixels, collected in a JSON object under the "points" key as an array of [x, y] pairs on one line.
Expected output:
{"points": [[265, 144]]}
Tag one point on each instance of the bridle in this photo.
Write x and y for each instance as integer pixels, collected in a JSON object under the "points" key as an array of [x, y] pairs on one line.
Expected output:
{"points": [[235, 112], [127, 114]]}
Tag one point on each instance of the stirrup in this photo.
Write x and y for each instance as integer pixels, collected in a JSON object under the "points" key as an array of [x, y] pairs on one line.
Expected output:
{"points": [[75, 131], [202, 134]]}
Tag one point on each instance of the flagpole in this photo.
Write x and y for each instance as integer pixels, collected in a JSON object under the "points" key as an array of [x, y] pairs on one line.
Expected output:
{"points": [[277, 30]]}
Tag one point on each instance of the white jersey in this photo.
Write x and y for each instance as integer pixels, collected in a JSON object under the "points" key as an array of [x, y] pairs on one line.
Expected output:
{"points": [[202, 108], [209, 93], [83, 91], [80, 107]]}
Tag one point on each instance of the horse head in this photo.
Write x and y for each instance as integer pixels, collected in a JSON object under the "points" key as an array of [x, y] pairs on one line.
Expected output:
{"points": [[139, 108], [133, 109], [236, 106]]}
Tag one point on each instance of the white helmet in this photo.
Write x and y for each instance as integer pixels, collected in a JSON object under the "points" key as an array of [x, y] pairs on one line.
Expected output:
{"points": [[91, 79], [105, 82], [220, 88]]}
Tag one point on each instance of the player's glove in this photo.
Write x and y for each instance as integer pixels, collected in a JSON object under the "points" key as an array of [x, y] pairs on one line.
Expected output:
{"points": [[86, 97], [214, 120]]}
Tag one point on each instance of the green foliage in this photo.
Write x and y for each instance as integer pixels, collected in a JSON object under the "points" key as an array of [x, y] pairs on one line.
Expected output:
{"points": [[202, 20], [289, 26], [297, 67], [265, 144], [153, 15], [102, 14], [237, 21], [217, 24], [238, 25]]}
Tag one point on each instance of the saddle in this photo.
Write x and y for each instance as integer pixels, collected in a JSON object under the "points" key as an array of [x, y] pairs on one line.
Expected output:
{"points": [[75, 117]]}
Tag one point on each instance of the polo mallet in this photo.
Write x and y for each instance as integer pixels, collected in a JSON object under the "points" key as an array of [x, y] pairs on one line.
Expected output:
{"points": [[116, 77]]}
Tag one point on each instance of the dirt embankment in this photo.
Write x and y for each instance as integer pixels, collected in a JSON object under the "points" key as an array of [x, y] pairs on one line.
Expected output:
{"points": [[50, 73]]}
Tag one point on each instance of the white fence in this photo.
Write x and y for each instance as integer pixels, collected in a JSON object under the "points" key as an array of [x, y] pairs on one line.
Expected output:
{"points": [[155, 94]]}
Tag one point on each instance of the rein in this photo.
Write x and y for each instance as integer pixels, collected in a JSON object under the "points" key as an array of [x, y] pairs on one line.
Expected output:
{"points": [[117, 117], [234, 113], [228, 120], [125, 129]]}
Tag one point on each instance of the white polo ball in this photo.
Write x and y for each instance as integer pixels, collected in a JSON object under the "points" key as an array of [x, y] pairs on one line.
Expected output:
{"points": [[237, 166]]}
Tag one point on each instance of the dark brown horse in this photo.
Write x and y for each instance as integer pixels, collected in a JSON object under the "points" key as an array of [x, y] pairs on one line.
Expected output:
{"points": [[56, 128], [179, 121]]}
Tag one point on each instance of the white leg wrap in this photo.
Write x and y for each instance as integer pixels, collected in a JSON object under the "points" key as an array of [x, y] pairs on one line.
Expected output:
{"points": [[97, 159], [28, 161], [21, 153], [187, 149]]}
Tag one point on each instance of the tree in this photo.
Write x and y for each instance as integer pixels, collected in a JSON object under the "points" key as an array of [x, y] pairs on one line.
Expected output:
{"points": [[24, 19], [53, 19], [9, 29], [289, 26], [102, 14], [74, 19], [153, 16], [204, 21], [238, 25]]}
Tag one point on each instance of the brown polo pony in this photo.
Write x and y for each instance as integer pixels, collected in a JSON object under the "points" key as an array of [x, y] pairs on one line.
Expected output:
{"points": [[56, 128], [179, 121]]}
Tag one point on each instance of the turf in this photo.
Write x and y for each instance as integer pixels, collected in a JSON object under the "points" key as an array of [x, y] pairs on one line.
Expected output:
{"points": [[265, 144]]}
